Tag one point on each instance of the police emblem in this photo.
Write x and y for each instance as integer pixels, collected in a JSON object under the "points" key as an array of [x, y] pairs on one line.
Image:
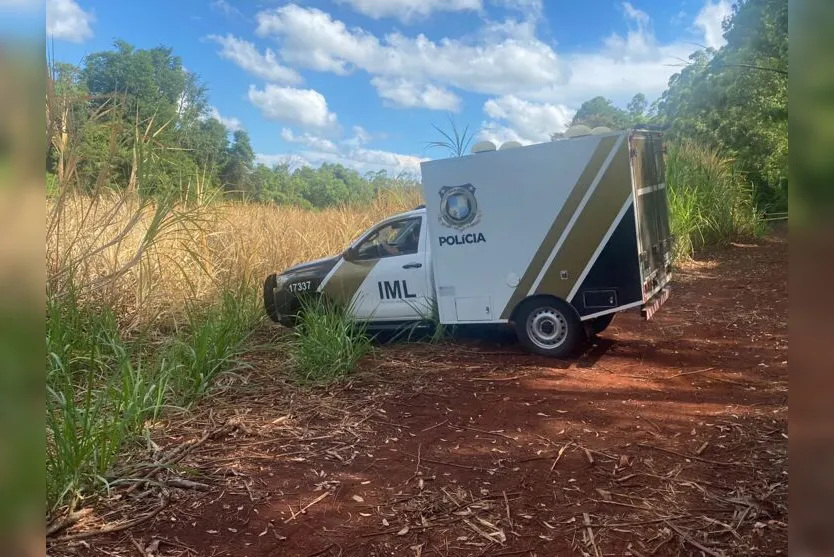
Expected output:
{"points": [[458, 206]]}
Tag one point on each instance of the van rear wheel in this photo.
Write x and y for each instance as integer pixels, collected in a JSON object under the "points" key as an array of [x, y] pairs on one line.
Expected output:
{"points": [[550, 327]]}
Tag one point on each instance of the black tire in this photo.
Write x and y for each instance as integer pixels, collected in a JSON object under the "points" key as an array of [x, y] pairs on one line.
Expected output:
{"points": [[537, 318], [269, 300], [599, 324], [269, 304]]}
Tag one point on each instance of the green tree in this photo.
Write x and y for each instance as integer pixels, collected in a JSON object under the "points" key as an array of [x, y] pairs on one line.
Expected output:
{"points": [[239, 165], [637, 108], [599, 111], [735, 98], [152, 109]]}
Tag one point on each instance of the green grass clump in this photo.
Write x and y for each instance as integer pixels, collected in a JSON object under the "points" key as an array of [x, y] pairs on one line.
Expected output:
{"points": [[327, 344], [709, 203], [102, 388], [211, 344], [99, 393]]}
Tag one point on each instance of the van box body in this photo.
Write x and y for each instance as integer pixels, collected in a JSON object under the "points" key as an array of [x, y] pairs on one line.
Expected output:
{"points": [[583, 219]]}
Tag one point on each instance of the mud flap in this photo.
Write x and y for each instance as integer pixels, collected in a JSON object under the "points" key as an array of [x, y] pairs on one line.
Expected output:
{"points": [[648, 309]]}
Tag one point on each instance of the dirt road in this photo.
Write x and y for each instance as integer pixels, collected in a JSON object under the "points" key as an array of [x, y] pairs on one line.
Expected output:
{"points": [[668, 437]]}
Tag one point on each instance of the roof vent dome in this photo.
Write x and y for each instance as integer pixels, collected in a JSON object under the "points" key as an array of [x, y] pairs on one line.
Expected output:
{"points": [[483, 146], [578, 130], [509, 145]]}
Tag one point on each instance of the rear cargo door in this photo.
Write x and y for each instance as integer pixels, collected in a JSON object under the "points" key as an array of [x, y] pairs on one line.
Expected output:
{"points": [[654, 239]]}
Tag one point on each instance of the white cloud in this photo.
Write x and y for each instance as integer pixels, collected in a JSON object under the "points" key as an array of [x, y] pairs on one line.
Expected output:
{"points": [[498, 134], [361, 160], [66, 20], [502, 58], [408, 94], [502, 65], [528, 7], [641, 17], [360, 137], [709, 21], [410, 10], [248, 58], [312, 141], [639, 42], [534, 88], [233, 124], [350, 152], [305, 107], [531, 122], [678, 18], [226, 9], [624, 66]]}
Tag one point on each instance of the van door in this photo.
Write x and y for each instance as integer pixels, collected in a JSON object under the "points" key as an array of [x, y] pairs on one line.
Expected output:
{"points": [[654, 238], [397, 287]]}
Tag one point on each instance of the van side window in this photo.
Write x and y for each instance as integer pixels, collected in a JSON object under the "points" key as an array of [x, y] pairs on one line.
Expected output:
{"points": [[400, 237]]}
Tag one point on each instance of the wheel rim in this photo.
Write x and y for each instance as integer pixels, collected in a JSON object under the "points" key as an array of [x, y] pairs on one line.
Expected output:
{"points": [[547, 328]]}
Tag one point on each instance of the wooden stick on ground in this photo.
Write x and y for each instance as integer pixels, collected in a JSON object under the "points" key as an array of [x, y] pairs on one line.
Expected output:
{"points": [[559, 456], [692, 542], [681, 374], [693, 457], [485, 432], [587, 519], [307, 506], [113, 528], [71, 518], [416, 470]]}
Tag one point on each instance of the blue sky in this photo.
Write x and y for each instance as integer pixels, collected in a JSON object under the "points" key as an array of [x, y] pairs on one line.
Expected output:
{"points": [[362, 81]]}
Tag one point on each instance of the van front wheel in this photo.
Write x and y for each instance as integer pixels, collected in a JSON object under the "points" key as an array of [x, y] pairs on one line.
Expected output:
{"points": [[549, 327]]}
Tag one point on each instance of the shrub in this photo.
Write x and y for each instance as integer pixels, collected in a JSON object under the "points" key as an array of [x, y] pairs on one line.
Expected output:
{"points": [[709, 203]]}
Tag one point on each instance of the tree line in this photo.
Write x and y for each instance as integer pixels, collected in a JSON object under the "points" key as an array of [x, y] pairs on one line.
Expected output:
{"points": [[734, 99], [136, 119]]}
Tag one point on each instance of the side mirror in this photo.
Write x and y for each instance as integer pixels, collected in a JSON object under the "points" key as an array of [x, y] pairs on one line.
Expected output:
{"points": [[349, 254]]}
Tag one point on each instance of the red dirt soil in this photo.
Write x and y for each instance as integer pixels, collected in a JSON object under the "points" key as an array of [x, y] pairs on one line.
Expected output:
{"points": [[667, 437]]}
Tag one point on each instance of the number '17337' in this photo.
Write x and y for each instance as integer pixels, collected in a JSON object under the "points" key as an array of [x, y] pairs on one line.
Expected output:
{"points": [[299, 286]]}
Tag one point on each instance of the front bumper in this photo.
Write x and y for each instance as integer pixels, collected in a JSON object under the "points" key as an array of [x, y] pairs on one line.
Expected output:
{"points": [[279, 303]]}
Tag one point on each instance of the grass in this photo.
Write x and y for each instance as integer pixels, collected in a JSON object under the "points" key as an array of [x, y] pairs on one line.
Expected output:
{"points": [[454, 142], [98, 395], [212, 343], [709, 203], [151, 303], [104, 388], [326, 344]]}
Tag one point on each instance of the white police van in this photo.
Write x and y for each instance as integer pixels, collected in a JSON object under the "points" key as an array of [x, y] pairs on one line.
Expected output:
{"points": [[551, 239]]}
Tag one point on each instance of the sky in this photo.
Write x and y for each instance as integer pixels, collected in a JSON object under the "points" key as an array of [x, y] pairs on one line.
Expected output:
{"points": [[362, 82]]}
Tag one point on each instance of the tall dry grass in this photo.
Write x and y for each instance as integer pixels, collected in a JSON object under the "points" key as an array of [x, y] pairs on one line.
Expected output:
{"points": [[148, 261], [149, 303]]}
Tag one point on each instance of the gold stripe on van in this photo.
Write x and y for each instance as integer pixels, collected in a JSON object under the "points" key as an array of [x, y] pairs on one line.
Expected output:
{"points": [[557, 228], [589, 230], [345, 282]]}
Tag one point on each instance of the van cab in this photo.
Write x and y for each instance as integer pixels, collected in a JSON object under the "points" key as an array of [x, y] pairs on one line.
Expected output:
{"points": [[384, 276]]}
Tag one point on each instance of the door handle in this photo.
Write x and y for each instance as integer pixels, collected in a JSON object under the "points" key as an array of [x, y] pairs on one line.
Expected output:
{"points": [[412, 266]]}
